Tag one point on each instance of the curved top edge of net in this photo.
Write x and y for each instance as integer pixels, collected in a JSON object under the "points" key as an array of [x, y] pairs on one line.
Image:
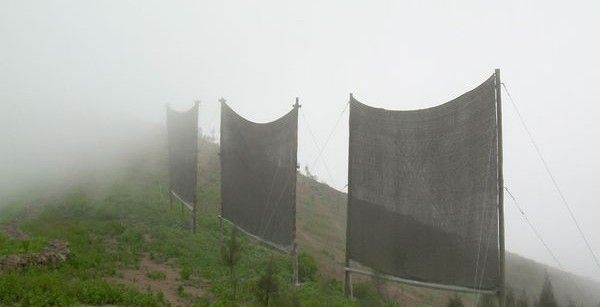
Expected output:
{"points": [[444, 105], [225, 106], [194, 107]]}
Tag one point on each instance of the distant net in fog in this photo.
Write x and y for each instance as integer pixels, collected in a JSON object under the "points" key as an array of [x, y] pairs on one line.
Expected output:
{"points": [[258, 176], [423, 191], [182, 135]]}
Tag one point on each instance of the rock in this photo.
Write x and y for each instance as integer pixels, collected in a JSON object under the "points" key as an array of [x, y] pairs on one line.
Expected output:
{"points": [[55, 253]]}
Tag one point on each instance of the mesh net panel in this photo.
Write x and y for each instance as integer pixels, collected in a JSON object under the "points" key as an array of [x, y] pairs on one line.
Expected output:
{"points": [[258, 175], [424, 191], [182, 131]]}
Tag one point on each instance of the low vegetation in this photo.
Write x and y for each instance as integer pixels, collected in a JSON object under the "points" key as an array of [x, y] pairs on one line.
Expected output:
{"points": [[109, 231], [113, 226], [10, 246]]}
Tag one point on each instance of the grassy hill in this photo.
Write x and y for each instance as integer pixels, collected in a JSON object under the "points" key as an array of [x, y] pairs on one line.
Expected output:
{"points": [[129, 247], [322, 223]]}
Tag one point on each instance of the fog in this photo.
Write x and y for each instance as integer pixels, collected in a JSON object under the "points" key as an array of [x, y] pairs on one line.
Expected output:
{"points": [[50, 148], [80, 79]]}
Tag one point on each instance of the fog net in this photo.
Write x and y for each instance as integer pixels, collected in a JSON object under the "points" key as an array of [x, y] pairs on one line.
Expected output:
{"points": [[258, 176], [182, 135], [423, 191]]}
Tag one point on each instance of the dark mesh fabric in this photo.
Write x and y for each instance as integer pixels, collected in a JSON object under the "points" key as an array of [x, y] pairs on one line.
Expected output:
{"points": [[182, 131], [258, 175], [423, 202]]}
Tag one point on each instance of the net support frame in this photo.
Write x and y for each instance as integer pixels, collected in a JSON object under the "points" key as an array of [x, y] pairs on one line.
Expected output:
{"points": [[500, 292], [193, 206], [190, 207], [293, 251], [420, 283], [501, 242], [347, 275], [275, 246], [184, 204]]}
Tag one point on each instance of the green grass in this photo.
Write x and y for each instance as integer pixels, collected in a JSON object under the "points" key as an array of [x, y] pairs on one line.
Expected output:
{"points": [[80, 280], [111, 222], [32, 245], [40, 287], [111, 229]]}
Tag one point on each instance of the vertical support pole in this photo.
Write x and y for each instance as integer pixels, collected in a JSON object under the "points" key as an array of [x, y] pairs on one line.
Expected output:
{"points": [[295, 244], [347, 276], [194, 218], [169, 158], [221, 154], [501, 258], [195, 204], [221, 230], [295, 276]]}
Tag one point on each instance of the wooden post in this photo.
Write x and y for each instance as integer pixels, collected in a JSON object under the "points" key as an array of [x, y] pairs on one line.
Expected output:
{"points": [[347, 276], [169, 159], [221, 230], [195, 204], [221, 153], [194, 219], [295, 276], [295, 244], [501, 258]]}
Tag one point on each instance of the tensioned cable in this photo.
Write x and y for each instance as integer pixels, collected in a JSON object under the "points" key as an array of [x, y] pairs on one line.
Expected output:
{"points": [[317, 147], [331, 133], [535, 231], [552, 178], [539, 237]]}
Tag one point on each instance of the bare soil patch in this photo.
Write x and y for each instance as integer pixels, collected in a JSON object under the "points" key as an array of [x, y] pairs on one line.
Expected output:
{"points": [[14, 232], [155, 277]]}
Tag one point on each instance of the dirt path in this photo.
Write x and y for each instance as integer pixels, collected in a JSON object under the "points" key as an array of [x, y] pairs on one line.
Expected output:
{"points": [[161, 277]]}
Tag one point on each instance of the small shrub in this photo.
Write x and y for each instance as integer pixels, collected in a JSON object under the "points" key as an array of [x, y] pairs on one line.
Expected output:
{"points": [[547, 298], [181, 291], [267, 285], [185, 274], [307, 267], [231, 252]]}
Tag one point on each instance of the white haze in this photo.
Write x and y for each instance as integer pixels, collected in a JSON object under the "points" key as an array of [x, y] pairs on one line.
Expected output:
{"points": [[70, 69]]}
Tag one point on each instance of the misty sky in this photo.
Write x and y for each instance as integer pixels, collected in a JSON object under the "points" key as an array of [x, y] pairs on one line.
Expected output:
{"points": [[71, 68]]}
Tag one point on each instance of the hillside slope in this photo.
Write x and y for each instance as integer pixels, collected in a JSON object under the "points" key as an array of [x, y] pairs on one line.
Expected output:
{"points": [[118, 224], [322, 222], [130, 247]]}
